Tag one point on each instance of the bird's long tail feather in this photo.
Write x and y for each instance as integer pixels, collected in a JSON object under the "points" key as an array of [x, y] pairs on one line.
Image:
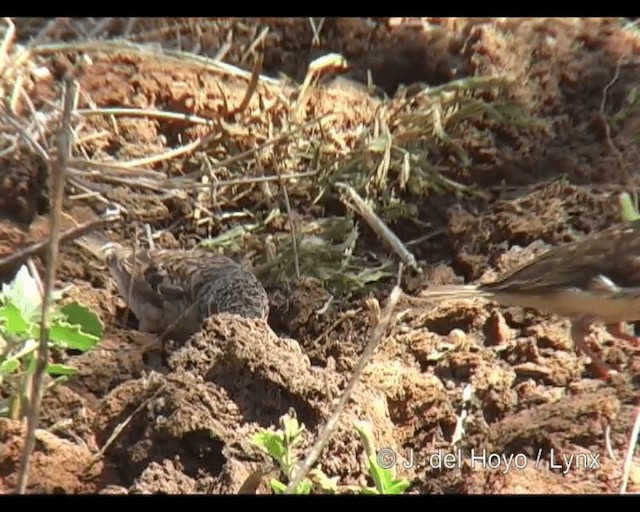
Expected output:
{"points": [[439, 293]]}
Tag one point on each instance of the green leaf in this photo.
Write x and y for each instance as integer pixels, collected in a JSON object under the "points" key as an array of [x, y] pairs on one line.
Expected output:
{"points": [[628, 211], [398, 487], [292, 430], [89, 322], [291, 427], [304, 487], [23, 292], [381, 476], [271, 442], [61, 369], [384, 479], [70, 336], [277, 486], [12, 320], [363, 428], [318, 477], [9, 365]]}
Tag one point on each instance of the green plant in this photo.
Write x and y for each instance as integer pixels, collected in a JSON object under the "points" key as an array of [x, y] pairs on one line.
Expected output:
{"points": [[72, 326], [628, 210], [281, 446], [384, 479]]}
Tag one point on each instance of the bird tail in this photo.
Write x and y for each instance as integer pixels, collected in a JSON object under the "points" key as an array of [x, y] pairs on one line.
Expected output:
{"points": [[438, 293], [96, 243]]}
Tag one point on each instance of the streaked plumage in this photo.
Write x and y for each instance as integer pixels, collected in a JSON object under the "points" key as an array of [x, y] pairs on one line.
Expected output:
{"points": [[596, 279], [162, 286]]}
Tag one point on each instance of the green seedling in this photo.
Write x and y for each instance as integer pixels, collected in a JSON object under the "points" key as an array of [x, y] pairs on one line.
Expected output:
{"points": [[282, 445], [71, 327], [384, 479], [628, 211]]}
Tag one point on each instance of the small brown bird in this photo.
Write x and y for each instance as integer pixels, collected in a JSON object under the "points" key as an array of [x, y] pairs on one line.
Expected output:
{"points": [[596, 279], [178, 289]]}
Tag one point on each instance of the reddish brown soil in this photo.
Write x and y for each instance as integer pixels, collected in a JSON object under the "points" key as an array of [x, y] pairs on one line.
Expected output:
{"points": [[180, 421]]}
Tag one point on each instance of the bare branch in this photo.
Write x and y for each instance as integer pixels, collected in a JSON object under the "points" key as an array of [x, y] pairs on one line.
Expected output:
{"points": [[35, 395], [326, 432]]}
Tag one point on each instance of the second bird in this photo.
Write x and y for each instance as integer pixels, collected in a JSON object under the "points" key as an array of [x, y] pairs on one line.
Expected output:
{"points": [[590, 280]]}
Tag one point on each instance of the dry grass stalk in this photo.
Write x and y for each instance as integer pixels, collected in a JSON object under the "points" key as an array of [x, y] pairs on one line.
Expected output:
{"points": [[376, 334], [37, 383]]}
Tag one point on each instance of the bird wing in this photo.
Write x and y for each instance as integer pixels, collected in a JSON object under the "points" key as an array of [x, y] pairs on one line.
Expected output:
{"points": [[609, 259], [159, 276]]}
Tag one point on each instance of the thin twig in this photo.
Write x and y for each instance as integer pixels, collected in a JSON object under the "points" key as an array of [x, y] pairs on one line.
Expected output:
{"points": [[6, 43], [86, 193], [251, 86], [256, 149], [379, 227], [64, 150], [607, 442], [224, 49], [177, 57], [292, 224], [316, 29], [27, 137], [38, 123], [238, 181], [326, 432], [145, 112], [134, 259], [633, 440], [607, 128], [44, 32], [172, 153], [161, 337], [91, 177], [18, 257], [120, 427], [328, 330], [82, 165], [424, 238], [149, 234], [605, 90], [102, 24], [35, 276], [254, 44], [130, 26]]}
